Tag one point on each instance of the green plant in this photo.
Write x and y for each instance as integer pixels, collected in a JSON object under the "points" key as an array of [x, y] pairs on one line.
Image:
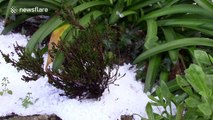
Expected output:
{"points": [[27, 101], [193, 101], [171, 27], [5, 89]]}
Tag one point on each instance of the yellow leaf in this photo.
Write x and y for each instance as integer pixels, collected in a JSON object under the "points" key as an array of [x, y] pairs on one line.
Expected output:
{"points": [[55, 38]]}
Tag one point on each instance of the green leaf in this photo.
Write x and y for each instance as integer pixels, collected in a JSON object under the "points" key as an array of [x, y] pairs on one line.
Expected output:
{"points": [[192, 102], [149, 111], [197, 78], [116, 13], [10, 92], [170, 35], [181, 8], [152, 72], [182, 82], [141, 4], [206, 4], [151, 37], [43, 32], [205, 108], [1, 93], [10, 3], [165, 91], [87, 5], [59, 59], [84, 21], [32, 3], [180, 43], [179, 114], [188, 22], [202, 57]]}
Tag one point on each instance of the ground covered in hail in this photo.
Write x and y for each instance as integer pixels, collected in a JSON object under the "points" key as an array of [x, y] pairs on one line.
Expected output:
{"points": [[124, 98]]}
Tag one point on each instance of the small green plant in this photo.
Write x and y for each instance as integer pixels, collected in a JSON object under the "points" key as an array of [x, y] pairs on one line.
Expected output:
{"points": [[5, 89], [27, 101]]}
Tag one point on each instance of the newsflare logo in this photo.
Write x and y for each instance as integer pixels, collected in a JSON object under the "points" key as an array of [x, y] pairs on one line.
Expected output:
{"points": [[15, 10]]}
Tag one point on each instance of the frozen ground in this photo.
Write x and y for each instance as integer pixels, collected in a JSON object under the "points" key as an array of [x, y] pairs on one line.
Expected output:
{"points": [[127, 98]]}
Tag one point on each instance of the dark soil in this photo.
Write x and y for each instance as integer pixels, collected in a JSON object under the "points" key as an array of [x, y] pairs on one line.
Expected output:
{"points": [[30, 117]]}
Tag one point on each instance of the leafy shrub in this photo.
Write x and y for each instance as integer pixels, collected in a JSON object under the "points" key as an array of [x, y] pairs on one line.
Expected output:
{"points": [[87, 68]]}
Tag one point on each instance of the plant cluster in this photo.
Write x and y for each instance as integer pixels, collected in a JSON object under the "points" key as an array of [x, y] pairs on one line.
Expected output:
{"points": [[27, 100], [5, 89], [193, 101]]}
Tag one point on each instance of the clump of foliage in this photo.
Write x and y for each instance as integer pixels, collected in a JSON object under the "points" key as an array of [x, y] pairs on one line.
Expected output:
{"points": [[31, 64], [194, 100], [87, 68], [5, 89]]}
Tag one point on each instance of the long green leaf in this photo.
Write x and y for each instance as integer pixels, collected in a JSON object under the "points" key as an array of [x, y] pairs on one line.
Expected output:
{"points": [[141, 4], [204, 31], [116, 12], [43, 32], [174, 45], [151, 37], [38, 3], [170, 35], [87, 5], [206, 4], [10, 3], [199, 23], [152, 72], [181, 8]]}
